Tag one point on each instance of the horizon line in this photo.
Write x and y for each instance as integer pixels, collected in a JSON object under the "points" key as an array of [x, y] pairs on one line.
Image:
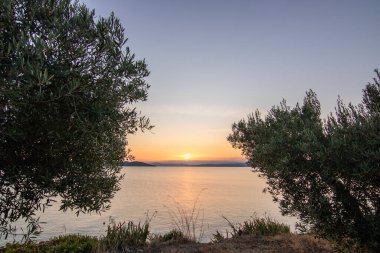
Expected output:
{"points": [[188, 161]]}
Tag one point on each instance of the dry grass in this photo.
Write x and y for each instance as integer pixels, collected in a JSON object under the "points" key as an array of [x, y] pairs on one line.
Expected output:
{"points": [[258, 235], [189, 221], [284, 243]]}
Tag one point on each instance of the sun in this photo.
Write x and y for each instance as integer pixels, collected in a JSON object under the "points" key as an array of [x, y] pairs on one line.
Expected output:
{"points": [[187, 156]]}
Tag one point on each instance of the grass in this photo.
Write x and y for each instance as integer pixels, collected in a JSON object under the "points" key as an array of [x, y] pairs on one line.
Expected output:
{"points": [[174, 236], [266, 226], [188, 221], [60, 244], [121, 236], [133, 237]]}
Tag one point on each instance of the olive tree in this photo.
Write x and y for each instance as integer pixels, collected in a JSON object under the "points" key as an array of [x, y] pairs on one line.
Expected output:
{"points": [[326, 172], [68, 88]]}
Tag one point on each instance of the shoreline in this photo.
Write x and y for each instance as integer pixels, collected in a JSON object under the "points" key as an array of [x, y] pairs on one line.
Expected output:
{"points": [[280, 243], [257, 234]]}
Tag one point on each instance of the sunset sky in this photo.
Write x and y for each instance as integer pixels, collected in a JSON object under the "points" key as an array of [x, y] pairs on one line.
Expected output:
{"points": [[212, 62]]}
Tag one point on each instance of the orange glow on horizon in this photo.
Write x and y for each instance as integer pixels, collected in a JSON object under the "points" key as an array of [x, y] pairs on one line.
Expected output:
{"points": [[175, 152], [190, 144]]}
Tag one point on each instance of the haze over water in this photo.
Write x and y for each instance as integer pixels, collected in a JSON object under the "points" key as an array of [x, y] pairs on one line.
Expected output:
{"points": [[234, 192]]}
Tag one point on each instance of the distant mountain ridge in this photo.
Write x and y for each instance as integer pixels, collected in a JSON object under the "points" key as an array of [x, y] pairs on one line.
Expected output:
{"points": [[136, 163], [226, 164], [222, 165], [184, 164]]}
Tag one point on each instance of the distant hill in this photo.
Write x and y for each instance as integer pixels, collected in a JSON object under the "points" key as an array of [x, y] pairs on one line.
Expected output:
{"points": [[226, 164], [136, 163], [222, 165], [184, 164]]}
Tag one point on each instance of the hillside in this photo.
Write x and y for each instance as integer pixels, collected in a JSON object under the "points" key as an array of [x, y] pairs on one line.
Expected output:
{"points": [[136, 163]]}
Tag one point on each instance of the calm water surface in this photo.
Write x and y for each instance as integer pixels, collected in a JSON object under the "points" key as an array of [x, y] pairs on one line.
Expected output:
{"points": [[233, 192]]}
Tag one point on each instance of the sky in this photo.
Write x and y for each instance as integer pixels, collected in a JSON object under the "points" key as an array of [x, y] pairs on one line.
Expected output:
{"points": [[213, 62]]}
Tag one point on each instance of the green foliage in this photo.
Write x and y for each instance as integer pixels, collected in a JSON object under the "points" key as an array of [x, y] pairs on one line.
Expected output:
{"points": [[27, 247], [72, 243], [258, 226], [173, 235], [68, 85], [325, 172], [120, 236], [217, 237], [265, 226], [61, 244]]}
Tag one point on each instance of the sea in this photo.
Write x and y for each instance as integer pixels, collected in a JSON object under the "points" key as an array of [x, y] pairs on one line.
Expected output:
{"points": [[208, 196]]}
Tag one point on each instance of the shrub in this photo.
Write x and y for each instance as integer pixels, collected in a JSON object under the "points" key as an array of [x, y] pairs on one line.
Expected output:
{"points": [[61, 244], [27, 247], [71, 243], [257, 226], [173, 235], [326, 172], [123, 235], [217, 237]]}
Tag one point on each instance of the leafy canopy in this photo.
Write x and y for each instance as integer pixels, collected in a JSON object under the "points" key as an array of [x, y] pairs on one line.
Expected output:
{"points": [[68, 85], [325, 172]]}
